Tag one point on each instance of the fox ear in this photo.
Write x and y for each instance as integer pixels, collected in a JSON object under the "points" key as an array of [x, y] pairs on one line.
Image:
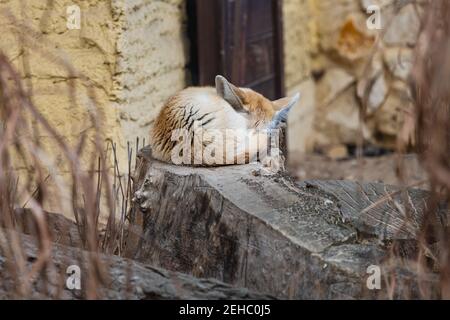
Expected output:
{"points": [[286, 103], [283, 106], [229, 93]]}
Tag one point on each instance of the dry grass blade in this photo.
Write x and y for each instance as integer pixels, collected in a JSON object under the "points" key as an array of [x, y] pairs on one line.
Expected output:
{"points": [[431, 93]]}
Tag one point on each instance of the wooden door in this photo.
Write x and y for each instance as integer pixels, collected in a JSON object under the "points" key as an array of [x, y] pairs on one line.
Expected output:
{"points": [[240, 39]]}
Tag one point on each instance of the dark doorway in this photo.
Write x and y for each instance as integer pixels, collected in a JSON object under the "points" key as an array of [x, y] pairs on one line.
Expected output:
{"points": [[240, 39]]}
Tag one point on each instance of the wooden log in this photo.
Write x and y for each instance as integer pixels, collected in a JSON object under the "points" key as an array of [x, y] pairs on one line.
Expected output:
{"points": [[264, 231], [121, 278]]}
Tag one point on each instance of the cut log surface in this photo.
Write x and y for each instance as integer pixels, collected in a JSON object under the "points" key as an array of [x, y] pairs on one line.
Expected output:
{"points": [[122, 279], [250, 228]]}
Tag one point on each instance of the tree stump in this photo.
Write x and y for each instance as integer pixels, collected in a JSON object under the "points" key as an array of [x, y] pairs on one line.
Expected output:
{"points": [[310, 240]]}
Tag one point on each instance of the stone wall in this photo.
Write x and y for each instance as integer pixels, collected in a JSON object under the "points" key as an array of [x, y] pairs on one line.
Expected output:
{"points": [[300, 42], [37, 41], [343, 66], [300, 48], [130, 54], [152, 57], [53, 59]]}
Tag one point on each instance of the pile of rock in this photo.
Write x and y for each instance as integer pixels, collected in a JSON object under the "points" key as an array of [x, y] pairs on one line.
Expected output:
{"points": [[357, 67]]}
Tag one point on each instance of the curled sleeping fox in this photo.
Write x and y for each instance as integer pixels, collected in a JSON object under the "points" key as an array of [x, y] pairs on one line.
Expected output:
{"points": [[209, 126]]}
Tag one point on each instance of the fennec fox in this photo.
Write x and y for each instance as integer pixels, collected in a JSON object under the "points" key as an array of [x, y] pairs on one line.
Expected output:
{"points": [[215, 126]]}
